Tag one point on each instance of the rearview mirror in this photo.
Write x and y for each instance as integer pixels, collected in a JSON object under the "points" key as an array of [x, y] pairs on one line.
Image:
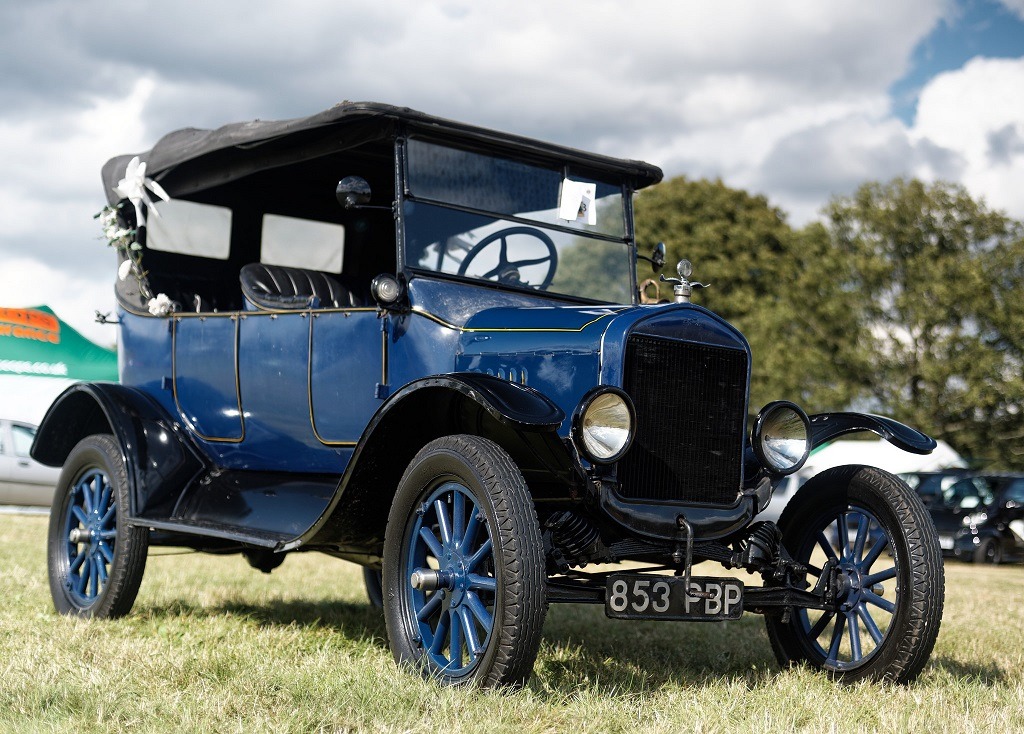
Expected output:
{"points": [[658, 257], [353, 191]]}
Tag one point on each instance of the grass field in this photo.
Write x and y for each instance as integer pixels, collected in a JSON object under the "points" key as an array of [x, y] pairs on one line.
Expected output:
{"points": [[213, 646]]}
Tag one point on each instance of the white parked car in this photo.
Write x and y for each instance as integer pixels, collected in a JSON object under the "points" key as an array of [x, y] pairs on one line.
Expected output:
{"points": [[23, 481]]}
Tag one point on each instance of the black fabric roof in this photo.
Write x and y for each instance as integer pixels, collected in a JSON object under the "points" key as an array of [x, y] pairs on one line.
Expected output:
{"points": [[206, 151]]}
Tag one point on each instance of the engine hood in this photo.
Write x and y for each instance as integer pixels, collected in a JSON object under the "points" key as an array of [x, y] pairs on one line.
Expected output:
{"points": [[594, 329]]}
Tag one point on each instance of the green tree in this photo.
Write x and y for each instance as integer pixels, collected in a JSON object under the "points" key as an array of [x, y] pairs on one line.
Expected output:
{"points": [[784, 289], [941, 277]]}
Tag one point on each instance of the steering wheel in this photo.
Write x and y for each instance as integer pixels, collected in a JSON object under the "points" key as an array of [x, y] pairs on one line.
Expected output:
{"points": [[507, 271]]}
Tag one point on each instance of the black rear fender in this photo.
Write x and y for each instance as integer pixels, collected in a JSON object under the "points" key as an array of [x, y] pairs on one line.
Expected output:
{"points": [[160, 460]]}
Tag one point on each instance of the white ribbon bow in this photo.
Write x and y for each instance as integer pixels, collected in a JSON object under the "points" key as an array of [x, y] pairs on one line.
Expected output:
{"points": [[133, 187]]}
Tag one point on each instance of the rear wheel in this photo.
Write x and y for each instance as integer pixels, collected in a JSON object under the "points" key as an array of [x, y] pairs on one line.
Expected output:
{"points": [[464, 574], [96, 559], [988, 551], [870, 536]]}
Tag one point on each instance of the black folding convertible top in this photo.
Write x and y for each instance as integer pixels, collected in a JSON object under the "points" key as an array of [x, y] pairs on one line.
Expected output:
{"points": [[190, 159]]}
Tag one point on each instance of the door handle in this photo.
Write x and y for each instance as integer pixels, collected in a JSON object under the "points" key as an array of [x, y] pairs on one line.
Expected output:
{"points": [[22, 462]]}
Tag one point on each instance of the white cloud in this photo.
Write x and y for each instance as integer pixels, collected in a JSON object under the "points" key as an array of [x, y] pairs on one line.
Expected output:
{"points": [[978, 111], [1014, 6], [788, 98]]}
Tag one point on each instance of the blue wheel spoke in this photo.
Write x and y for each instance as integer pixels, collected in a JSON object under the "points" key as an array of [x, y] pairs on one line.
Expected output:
{"points": [[862, 535], [455, 646], [82, 577], [869, 623], [479, 610], [844, 536], [458, 517], [820, 625], [855, 651], [80, 514], [94, 577], [469, 536], [104, 504], [482, 552], [878, 601], [469, 631], [432, 542], [827, 547], [440, 635], [86, 496], [108, 555], [889, 573], [97, 493], [79, 560], [429, 608], [110, 515], [874, 553], [101, 573], [482, 583], [837, 638], [108, 534], [443, 522]]}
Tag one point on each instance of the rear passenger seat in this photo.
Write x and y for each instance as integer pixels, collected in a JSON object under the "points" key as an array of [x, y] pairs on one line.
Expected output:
{"points": [[275, 287]]}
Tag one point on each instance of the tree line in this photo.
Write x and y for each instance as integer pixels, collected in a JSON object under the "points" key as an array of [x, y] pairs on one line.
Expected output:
{"points": [[906, 299]]}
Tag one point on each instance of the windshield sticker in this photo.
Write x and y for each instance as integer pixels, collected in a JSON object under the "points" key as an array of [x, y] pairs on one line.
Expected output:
{"points": [[577, 202]]}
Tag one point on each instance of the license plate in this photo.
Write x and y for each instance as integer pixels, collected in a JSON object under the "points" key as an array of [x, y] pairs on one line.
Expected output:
{"points": [[946, 542], [639, 596]]}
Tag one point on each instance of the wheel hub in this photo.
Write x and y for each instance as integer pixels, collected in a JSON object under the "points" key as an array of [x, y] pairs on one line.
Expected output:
{"points": [[850, 581]]}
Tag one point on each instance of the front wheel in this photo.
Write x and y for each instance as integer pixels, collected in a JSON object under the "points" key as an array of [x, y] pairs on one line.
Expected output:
{"points": [[464, 574], [96, 559], [868, 534]]}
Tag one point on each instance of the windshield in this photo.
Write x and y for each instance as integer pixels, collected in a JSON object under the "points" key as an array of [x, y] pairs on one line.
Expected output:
{"points": [[525, 226]]}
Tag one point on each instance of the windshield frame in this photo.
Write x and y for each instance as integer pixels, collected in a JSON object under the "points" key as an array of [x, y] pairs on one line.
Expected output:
{"points": [[567, 169]]}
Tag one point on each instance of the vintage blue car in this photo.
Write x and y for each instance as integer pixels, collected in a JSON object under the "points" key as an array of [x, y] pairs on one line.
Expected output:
{"points": [[420, 346]]}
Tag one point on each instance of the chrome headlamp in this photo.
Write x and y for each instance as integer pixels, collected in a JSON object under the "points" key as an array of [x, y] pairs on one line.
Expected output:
{"points": [[782, 437], [603, 425]]}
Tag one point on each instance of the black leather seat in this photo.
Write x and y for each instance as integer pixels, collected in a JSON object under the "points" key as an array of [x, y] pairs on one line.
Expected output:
{"points": [[277, 287]]}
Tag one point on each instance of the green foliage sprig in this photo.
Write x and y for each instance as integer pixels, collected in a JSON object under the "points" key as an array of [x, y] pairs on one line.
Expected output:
{"points": [[123, 239]]}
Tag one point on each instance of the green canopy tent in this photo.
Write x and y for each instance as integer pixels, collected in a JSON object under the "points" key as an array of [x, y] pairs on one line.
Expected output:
{"points": [[40, 355]]}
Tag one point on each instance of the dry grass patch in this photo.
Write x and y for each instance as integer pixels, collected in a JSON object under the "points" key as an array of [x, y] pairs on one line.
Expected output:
{"points": [[215, 646]]}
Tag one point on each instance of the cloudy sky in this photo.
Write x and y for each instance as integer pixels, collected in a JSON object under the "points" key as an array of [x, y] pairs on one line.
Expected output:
{"points": [[795, 99]]}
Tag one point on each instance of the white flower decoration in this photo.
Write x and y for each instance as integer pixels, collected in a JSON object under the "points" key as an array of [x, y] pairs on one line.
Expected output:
{"points": [[124, 270], [161, 305], [133, 187]]}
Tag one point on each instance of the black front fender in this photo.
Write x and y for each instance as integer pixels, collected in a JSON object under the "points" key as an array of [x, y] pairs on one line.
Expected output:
{"points": [[827, 427], [520, 419], [159, 457]]}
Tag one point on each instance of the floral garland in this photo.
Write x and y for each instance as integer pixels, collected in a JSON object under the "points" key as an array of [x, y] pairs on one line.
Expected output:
{"points": [[133, 187]]}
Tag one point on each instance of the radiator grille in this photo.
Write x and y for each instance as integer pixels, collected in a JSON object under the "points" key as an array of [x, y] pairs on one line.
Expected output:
{"points": [[691, 410]]}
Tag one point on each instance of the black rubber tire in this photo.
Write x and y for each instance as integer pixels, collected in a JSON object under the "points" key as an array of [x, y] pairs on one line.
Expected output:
{"points": [[919, 582], [373, 581], [989, 551], [498, 489], [130, 543]]}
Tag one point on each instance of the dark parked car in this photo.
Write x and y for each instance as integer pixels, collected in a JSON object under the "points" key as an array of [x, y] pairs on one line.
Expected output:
{"points": [[930, 485], [418, 345], [981, 518]]}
